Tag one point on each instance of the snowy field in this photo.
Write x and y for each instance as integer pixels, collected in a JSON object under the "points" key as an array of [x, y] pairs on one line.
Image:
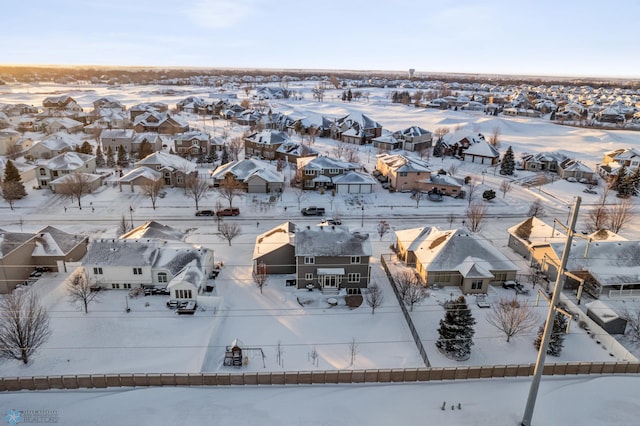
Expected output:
{"points": [[153, 339]]}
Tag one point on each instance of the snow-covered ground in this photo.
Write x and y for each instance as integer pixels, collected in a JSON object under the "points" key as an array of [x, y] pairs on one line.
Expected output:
{"points": [[151, 338]]}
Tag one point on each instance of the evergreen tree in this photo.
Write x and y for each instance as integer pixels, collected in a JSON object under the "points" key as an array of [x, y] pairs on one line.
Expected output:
{"points": [[100, 161], [144, 149], [489, 194], [86, 148], [456, 330], [344, 96], [508, 163], [225, 156], [123, 160], [438, 149], [12, 186], [349, 95], [111, 160], [556, 340]]}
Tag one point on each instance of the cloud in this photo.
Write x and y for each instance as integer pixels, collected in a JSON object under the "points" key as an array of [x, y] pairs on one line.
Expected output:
{"points": [[219, 13]]}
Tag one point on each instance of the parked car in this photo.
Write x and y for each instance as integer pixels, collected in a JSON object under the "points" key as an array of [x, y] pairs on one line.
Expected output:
{"points": [[572, 179], [312, 211], [205, 213], [331, 221], [228, 212]]}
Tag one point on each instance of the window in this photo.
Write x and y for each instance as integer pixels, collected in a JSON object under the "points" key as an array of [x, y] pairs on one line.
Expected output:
{"points": [[137, 271], [308, 172], [354, 291], [355, 259], [353, 277], [97, 271], [441, 277], [43, 172], [334, 171], [179, 179], [501, 276], [309, 260], [183, 294], [402, 174], [126, 285], [115, 285], [162, 277], [308, 276], [476, 285]]}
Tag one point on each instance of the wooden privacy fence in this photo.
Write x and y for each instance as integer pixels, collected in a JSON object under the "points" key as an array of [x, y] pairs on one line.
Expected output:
{"points": [[405, 375]]}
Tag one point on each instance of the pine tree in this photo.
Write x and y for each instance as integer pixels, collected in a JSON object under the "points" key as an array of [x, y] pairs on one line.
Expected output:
{"points": [[556, 340], [438, 149], [86, 148], [111, 161], [100, 161], [12, 186], [123, 160], [225, 156], [456, 330], [144, 149], [508, 163]]}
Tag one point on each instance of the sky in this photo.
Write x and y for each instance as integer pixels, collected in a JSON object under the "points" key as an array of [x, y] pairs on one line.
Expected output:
{"points": [[547, 38]]}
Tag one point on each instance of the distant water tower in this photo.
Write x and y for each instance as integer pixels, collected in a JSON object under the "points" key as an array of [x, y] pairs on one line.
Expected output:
{"points": [[412, 71]]}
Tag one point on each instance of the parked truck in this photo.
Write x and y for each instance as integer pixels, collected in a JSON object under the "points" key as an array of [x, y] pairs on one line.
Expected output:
{"points": [[312, 211]]}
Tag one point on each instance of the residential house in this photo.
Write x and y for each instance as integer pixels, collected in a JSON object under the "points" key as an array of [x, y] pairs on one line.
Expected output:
{"points": [[290, 152], [193, 143], [115, 138], [275, 250], [64, 164], [628, 157], [8, 140], [195, 105], [143, 108], [482, 152], [414, 138], [575, 169], [139, 176], [155, 140], [108, 102], [319, 172], [21, 253], [533, 234], [454, 257], [61, 124], [610, 115], [57, 104], [356, 129], [255, 176], [456, 143], [331, 258], [354, 182], [386, 142], [158, 122], [174, 168], [264, 144], [543, 161], [128, 263], [108, 119], [91, 181], [606, 317], [403, 172]]}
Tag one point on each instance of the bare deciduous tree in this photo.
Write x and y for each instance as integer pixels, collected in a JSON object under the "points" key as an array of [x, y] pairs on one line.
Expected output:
{"points": [[417, 196], [74, 187], [353, 351], [477, 215], [410, 288], [24, 325], [453, 169], [598, 216], [494, 138], [152, 189], [79, 290], [260, 276], [300, 195], [472, 187], [440, 132], [235, 146], [536, 209], [339, 148], [633, 322], [351, 155], [229, 189], [382, 228], [123, 227], [229, 231], [512, 317], [505, 187], [451, 217], [197, 188], [620, 214], [13, 151], [374, 297]]}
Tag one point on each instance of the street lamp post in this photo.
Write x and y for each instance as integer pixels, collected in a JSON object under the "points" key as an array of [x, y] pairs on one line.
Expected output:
{"points": [[131, 215], [362, 220], [484, 172]]}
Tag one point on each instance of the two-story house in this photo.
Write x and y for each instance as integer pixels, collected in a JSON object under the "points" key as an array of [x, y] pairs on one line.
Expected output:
{"points": [[331, 257], [614, 160], [414, 138], [145, 107], [115, 138], [64, 164], [192, 143], [160, 123], [356, 128], [403, 172], [255, 176], [319, 172], [264, 144], [57, 104], [174, 168]]}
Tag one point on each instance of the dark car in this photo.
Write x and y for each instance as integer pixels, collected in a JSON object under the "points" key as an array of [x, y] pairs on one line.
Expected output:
{"points": [[205, 213], [331, 221], [229, 212]]}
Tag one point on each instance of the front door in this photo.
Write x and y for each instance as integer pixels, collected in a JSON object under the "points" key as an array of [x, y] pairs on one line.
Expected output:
{"points": [[330, 281]]}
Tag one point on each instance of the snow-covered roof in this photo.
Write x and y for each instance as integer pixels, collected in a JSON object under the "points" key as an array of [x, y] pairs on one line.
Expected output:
{"points": [[482, 148], [54, 242], [10, 241], [68, 161], [117, 134], [325, 163], [273, 239], [403, 163], [331, 241], [269, 137], [602, 311], [82, 177], [154, 230], [245, 169], [169, 161], [354, 177], [533, 231], [142, 171], [116, 252]]}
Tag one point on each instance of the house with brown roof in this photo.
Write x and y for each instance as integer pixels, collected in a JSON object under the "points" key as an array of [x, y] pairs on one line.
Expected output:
{"points": [[264, 144], [160, 123]]}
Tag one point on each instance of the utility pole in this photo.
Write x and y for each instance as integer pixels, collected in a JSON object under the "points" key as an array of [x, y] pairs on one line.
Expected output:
{"points": [[542, 353]]}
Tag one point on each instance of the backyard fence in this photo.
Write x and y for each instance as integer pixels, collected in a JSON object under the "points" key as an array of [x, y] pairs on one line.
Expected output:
{"points": [[407, 317], [406, 375]]}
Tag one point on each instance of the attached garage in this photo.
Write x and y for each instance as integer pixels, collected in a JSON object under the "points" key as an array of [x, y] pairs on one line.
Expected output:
{"points": [[354, 182]]}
